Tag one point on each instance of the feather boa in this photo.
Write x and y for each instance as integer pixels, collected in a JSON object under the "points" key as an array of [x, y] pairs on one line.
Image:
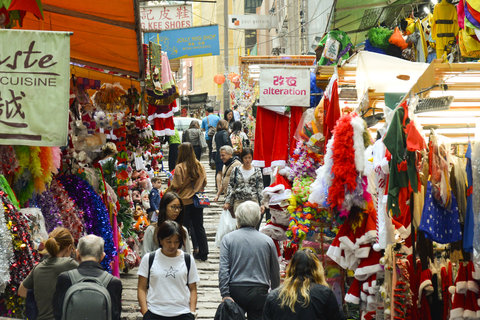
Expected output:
{"points": [[57, 159], [46, 161], [23, 156], [358, 144], [343, 169]]}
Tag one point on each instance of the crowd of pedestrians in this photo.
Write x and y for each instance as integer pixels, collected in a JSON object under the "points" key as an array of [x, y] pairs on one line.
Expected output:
{"points": [[71, 284]]}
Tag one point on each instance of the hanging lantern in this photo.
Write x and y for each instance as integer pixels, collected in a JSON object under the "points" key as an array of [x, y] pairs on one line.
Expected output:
{"points": [[219, 79]]}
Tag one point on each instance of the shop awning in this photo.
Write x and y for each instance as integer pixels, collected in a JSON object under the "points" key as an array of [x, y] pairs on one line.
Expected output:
{"points": [[356, 17], [104, 77], [103, 31]]}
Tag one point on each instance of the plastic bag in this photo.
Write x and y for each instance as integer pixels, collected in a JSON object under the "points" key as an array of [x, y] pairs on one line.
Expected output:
{"points": [[226, 225], [331, 49], [309, 132]]}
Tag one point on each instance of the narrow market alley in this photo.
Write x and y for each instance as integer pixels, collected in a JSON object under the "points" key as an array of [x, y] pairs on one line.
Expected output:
{"points": [[208, 293]]}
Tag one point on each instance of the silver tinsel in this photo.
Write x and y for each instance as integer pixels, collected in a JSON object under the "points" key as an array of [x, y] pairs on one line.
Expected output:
{"points": [[6, 251]]}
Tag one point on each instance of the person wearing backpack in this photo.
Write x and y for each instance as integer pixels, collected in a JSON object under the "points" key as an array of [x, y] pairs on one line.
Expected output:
{"points": [[239, 138], [209, 123], [167, 278], [88, 292]]}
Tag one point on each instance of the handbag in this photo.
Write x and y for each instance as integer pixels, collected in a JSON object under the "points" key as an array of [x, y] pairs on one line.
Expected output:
{"points": [[200, 199], [203, 142]]}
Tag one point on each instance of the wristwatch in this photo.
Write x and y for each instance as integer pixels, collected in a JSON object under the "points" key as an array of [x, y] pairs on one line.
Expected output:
{"points": [[194, 314]]}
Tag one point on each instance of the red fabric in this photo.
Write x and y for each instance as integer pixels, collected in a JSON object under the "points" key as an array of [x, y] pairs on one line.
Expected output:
{"points": [[425, 307], [414, 285], [447, 297], [332, 113], [271, 135]]}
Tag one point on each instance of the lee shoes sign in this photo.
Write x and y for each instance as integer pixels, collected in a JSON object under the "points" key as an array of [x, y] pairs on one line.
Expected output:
{"points": [[166, 17], [284, 86], [34, 87]]}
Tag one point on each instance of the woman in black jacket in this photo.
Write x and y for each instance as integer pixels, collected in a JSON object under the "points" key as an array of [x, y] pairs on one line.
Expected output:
{"points": [[228, 116], [304, 294], [222, 138]]}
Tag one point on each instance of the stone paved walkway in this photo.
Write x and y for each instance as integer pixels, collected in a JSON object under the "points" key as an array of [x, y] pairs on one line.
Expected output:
{"points": [[208, 293]]}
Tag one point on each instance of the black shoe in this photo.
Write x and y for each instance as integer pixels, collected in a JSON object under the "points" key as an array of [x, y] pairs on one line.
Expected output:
{"points": [[200, 257]]}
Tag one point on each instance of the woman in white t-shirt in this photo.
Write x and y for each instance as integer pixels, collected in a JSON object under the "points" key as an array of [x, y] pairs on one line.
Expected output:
{"points": [[168, 288]]}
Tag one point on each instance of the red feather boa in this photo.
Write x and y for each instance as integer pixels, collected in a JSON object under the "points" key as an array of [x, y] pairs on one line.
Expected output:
{"points": [[344, 171]]}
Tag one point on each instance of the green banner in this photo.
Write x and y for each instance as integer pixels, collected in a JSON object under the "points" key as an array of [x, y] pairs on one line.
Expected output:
{"points": [[34, 88]]}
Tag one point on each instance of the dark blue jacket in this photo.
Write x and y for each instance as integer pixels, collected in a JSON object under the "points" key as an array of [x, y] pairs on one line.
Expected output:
{"points": [[154, 198]]}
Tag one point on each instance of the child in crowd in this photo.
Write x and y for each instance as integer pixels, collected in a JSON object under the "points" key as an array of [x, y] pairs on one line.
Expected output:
{"points": [[154, 198]]}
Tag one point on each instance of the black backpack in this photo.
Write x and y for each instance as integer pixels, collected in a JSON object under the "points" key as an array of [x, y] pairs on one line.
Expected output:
{"points": [[151, 257]]}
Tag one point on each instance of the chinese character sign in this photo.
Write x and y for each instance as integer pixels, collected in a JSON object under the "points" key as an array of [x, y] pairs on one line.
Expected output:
{"points": [[187, 43], [166, 17], [284, 86], [34, 88]]}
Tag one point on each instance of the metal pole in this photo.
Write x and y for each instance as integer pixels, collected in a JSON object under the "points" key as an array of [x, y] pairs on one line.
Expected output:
{"points": [[226, 93]]}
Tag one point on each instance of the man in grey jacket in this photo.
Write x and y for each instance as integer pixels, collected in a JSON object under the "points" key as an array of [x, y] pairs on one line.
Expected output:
{"points": [[248, 263]]}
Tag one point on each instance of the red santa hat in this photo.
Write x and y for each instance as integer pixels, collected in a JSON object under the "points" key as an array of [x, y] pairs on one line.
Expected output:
{"points": [[472, 284], [353, 294], [461, 283]]}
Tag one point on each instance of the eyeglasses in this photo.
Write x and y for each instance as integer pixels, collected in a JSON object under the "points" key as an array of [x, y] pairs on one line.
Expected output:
{"points": [[176, 208]]}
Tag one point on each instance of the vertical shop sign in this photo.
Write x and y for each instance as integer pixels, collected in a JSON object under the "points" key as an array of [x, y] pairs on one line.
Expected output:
{"points": [[166, 17], [34, 87], [285, 86]]}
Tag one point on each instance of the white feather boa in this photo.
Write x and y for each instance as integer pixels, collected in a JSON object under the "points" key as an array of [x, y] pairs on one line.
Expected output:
{"points": [[358, 145]]}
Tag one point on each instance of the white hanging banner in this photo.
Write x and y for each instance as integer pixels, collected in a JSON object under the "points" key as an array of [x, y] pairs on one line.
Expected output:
{"points": [[285, 86]]}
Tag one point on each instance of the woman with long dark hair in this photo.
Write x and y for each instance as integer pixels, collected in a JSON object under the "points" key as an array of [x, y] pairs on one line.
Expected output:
{"points": [[190, 177], [167, 288], [304, 294], [171, 209], [228, 116]]}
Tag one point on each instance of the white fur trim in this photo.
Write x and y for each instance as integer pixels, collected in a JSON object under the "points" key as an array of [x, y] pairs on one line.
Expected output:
{"points": [[368, 237], [358, 144], [346, 243], [258, 163], [176, 109], [456, 313], [166, 132], [472, 286], [363, 273], [328, 162], [362, 252], [363, 296], [469, 314], [423, 285], [371, 289], [278, 163], [334, 252], [352, 299], [160, 116], [269, 191], [461, 286], [365, 286], [451, 289]]}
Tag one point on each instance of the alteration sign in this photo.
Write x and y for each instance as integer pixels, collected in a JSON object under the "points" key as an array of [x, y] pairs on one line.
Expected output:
{"points": [[284, 86], [34, 88]]}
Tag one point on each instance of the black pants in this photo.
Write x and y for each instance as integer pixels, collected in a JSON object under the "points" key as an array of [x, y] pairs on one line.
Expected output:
{"points": [[198, 152], [194, 222], [151, 316], [251, 299], [172, 156], [210, 149]]}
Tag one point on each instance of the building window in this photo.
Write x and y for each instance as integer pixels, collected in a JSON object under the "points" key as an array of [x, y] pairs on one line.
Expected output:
{"points": [[190, 78], [252, 5], [250, 40]]}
